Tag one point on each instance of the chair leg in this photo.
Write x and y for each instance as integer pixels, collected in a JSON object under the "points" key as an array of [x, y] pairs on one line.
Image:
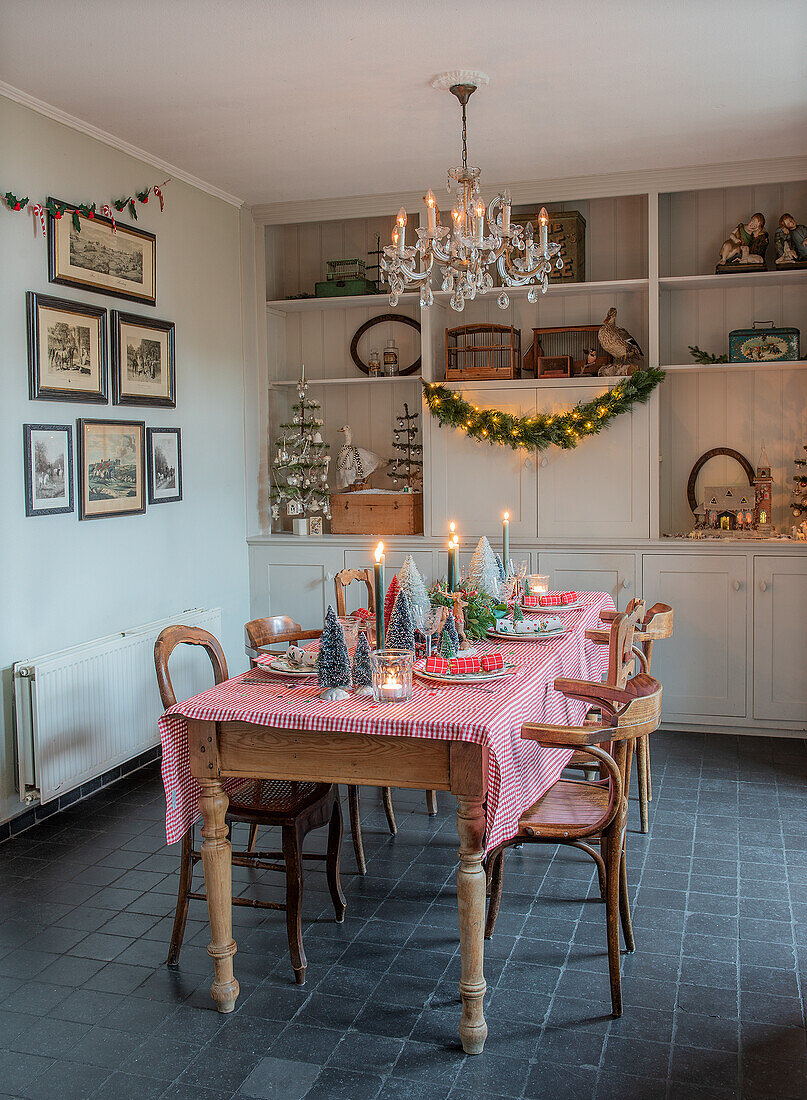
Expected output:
{"points": [[611, 854], [431, 803], [496, 883], [292, 854], [332, 860], [355, 828], [624, 902], [181, 914], [643, 774], [253, 836], [388, 809]]}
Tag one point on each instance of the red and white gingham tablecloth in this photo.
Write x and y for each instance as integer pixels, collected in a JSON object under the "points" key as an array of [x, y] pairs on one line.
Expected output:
{"points": [[519, 771]]}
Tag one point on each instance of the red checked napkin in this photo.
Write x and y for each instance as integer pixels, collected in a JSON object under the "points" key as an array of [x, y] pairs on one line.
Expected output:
{"points": [[557, 599], [530, 601], [492, 662], [437, 665], [463, 666]]}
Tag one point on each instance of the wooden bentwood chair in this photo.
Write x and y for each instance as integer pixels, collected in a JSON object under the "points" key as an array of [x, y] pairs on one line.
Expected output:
{"points": [[575, 811], [654, 625], [296, 808]]}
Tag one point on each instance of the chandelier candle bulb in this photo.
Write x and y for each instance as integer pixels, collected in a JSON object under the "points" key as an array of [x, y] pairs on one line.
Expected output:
{"points": [[431, 209], [543, 217], [480, 221], [401, 222], [506, 214], [379, 594]]}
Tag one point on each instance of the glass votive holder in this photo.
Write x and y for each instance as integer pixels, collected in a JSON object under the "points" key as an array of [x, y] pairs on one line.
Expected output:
{"points": [[392, 674], [539, 583], [351, 629]]}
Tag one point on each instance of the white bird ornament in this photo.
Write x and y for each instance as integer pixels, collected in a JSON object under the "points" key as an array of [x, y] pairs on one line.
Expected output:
{"points": [[355, 464]]}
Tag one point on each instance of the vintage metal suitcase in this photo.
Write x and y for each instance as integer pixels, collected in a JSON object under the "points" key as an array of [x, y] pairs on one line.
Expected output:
{"points": [[334, 288], [764, 343]]}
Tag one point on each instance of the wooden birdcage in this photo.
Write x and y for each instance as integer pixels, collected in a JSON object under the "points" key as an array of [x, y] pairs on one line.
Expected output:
{"points": [[483, 351], [577, 344]]}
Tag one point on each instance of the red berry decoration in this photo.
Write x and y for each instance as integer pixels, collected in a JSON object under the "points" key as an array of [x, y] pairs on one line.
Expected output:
{"points": [[17, 206], [58, 214], [146, 199], [91, 214]]}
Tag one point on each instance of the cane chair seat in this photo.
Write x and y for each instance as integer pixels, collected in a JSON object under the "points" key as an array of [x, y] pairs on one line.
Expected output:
{"points": [[278, 797]]}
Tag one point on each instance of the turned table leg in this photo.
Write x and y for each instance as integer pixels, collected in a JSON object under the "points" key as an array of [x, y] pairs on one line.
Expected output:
{"points": [[217, 865], [471, 903]]}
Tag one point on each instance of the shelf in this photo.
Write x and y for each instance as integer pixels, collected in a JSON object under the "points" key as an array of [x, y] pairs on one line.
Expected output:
{"points": [[352, 381], [612, 286], [531, 383], [747, 279], [727, 368]]}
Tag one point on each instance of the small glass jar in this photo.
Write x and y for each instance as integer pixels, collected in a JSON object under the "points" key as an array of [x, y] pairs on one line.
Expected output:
{"points": [[392, 675], [374, 363], [539, 583], [391, 359], [351, 629]]}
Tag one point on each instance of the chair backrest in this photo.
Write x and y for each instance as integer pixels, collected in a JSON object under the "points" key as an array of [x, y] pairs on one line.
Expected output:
{"points": [[620, 645], [262, 632], [656, 625], [346, 577], [165, 645]]}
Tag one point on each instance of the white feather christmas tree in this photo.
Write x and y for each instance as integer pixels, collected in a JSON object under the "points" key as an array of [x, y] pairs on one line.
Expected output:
{"points": [[483, 572], [412, 583]]}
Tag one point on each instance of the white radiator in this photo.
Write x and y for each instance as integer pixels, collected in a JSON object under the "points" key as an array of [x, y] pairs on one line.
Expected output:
{"points": [[87, 709]]}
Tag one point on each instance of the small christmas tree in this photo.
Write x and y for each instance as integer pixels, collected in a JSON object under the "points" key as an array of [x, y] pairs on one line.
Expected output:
{"points": [[333, 662], [362, 669], [527, 589], [401, 626], [483, 572], [406, 466], [450, 631], [414, 586], [390, 598], [518, 614], [798, 505], [301, 461], [500, 564], [447, 647]]}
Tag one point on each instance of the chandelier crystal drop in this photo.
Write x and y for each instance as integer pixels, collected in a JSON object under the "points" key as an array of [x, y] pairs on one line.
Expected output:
{"points": [[465, 251]]}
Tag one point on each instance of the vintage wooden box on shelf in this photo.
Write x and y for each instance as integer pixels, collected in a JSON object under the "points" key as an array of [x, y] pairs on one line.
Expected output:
{"points": [[369, 513], [483, 351], [568, 229]]}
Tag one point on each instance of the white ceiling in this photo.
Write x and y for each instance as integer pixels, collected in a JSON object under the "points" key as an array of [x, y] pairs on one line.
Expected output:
{"points": [[273, 100]]}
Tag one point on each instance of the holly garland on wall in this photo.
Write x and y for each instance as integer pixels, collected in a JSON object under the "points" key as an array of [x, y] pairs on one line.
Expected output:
{"points": [[538, 432], [19, 203]]}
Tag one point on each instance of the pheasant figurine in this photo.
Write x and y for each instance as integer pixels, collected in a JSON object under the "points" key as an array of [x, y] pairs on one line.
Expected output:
{"points": [[355, 464], [619, 343]]}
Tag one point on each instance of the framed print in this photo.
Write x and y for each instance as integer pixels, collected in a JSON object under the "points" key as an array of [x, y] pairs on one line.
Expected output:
{"points": [[165, 465], [143, 369], [315, 525], [48, 459], [67, 358], [105, 256], [111, 468]]}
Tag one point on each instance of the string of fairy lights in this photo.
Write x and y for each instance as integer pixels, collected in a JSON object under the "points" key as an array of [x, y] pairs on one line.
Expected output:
{"points": [[543, 430]]}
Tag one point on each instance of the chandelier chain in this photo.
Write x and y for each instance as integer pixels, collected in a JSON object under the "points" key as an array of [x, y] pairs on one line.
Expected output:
{"points": [[464, 139]]}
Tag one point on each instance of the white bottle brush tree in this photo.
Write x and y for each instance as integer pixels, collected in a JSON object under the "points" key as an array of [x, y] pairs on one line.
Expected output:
{"points": [[412, 583], [300, 465], [483, 572]]}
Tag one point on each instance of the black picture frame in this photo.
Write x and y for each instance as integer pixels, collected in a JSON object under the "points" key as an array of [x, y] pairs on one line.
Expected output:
{"points": [[152, 480], [120, 396], [37, 391], [82, 426], [62, 271], [28, 431]]}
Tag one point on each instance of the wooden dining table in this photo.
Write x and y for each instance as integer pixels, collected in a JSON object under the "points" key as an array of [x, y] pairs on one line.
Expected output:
{"points": [[461, 739]]}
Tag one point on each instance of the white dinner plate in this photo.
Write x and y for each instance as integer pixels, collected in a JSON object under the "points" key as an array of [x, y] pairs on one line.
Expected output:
{"points": [[554, 609], [547, 636], [280, 664], [468, 678]]}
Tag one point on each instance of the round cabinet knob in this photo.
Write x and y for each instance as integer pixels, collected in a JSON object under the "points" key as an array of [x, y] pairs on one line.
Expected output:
{"points": [[627, 584], [763, 586], [738, 585]]}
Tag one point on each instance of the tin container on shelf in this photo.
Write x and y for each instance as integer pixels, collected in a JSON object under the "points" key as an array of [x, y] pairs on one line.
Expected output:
{"points": [[763, 343]]}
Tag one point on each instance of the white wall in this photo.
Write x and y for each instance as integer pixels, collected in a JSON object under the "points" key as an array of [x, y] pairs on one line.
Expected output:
{"points": [[63, 582]]}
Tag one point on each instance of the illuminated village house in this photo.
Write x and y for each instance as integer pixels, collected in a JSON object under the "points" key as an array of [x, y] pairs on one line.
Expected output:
{"points": [[734, 508]]}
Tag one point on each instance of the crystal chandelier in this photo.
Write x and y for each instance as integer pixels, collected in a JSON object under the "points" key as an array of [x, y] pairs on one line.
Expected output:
{"points": [[465, 251]]}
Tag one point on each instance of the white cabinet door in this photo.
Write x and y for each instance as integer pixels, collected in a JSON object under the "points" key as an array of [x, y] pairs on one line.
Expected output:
{"points": [[703, 666], [602, 488], [474, 484], [612, 573], [780, 638]]}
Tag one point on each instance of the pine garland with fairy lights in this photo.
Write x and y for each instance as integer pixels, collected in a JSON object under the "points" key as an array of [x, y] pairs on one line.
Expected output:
{"points": [[538, 432]]}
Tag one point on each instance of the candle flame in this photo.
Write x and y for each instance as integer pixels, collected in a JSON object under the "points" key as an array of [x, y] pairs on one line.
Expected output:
{"points": [[401, 217], [480, 209], [429, 198], [543, 216], [379, 550], [452, 527], [395, 236], [455, 541], [506, 517]]}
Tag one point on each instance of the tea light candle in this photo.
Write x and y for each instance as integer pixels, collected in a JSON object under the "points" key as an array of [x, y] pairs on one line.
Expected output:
{"points": [[379, 594], [391, 689], [506, 542]]}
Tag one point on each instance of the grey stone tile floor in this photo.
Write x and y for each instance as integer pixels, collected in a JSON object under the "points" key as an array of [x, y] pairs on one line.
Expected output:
{"points": [[714, 995]]}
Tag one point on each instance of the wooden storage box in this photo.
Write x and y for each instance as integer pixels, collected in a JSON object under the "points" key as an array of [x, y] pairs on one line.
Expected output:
{"points": [[377, 514], [568, 229], [483, 351]]}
